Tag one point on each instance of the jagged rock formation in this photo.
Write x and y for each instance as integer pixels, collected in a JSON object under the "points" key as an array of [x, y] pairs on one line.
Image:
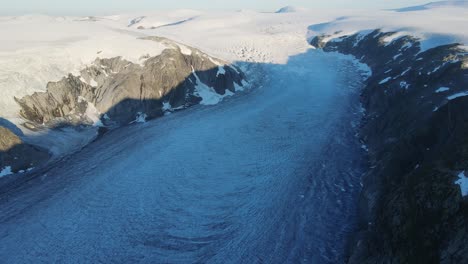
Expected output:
{"points": [[117, 91], [416, 130], [16, 154]]}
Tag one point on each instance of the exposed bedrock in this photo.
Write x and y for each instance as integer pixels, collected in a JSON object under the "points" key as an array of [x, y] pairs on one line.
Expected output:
{"points": [[116, 91], [416, 131], [15, 155]]}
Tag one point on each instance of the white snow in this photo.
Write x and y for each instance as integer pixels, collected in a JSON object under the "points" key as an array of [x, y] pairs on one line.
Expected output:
{"points": [[460, 94], [140, 118], [5, 171], [442, 89], [405, 72], [93, 115], [463, 182], [436, 5], [433, 26], [166, 106], [93, 83], [406, 46], [397, 35], [155, 20], [385, 80], [221, 71], [36, 49], [397, 56], [404, 84], [208, 94]]}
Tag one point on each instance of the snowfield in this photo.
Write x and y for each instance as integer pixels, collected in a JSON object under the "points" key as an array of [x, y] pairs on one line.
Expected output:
{"points": [[37, 49]]}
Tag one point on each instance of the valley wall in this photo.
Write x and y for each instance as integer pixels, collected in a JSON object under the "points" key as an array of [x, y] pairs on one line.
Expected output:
{"points": [[416, 132]]}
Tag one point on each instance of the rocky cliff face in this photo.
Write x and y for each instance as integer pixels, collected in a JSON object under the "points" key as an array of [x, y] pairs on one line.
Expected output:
{"points": [[116, 91], [16, 155], [416, 130]]}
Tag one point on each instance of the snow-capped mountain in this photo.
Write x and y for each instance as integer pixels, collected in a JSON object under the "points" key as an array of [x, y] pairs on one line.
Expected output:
{"points": [[291, 9], [434, 5]]}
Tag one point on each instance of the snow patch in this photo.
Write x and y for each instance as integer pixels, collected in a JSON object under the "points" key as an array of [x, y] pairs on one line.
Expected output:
{"points": [[93, 83], [442, 89], [209, 95], [221, 71], [393, 37], [140, 118], [463, 183], [404, 85], [6, 171], [166, 106], [184, 49], [94, 115], [385, 80], [454, 96], [91, 112]]}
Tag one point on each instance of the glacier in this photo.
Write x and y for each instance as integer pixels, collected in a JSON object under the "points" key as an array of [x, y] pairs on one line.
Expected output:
{"points": [[228, 183]]}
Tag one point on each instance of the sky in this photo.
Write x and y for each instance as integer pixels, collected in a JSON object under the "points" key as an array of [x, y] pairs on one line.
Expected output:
{"points": [[96, 7]]}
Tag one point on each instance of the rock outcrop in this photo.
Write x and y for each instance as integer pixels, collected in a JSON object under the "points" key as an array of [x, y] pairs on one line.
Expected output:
{"points": [[116, 91], [17, 155], [416, 130]]}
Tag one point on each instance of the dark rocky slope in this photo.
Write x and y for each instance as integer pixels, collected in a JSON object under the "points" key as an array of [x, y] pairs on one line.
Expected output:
{"points": [[13, 150], [416, 130], [116, 90]]}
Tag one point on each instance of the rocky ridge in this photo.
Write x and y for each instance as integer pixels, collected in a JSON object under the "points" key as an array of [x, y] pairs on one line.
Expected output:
{"points": [[412, 209], [113, 92], [116, 91]]}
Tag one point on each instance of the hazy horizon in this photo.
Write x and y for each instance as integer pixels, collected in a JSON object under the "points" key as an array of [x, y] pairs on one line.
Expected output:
{"points": [[105, 7]]}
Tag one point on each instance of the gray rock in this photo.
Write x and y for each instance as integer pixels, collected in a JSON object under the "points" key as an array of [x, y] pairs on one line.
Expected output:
{"points": [[17, 154], [121, 89]]}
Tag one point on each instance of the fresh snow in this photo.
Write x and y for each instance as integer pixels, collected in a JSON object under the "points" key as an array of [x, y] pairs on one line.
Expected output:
{"points": [[463, 182], [442, 89]]}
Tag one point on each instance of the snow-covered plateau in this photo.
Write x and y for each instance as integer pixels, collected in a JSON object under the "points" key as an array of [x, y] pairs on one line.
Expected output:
{"points": [[309, 131]]}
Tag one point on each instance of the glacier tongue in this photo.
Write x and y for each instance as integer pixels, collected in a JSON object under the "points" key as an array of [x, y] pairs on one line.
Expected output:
{"points": [[270, 175]]}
